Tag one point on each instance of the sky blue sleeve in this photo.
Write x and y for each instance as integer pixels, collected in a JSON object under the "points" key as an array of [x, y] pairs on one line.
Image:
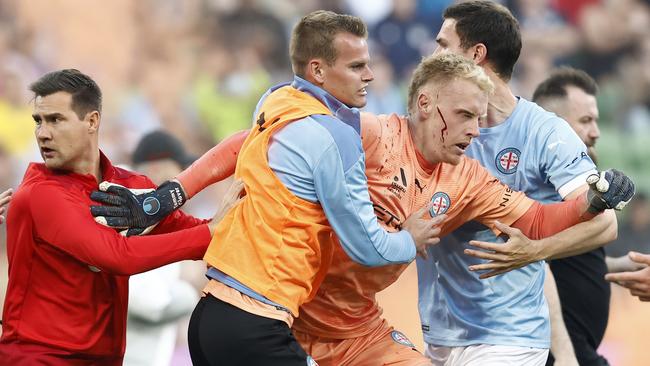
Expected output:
{"points": [[346, 202], [312, 163], [564, 159]]}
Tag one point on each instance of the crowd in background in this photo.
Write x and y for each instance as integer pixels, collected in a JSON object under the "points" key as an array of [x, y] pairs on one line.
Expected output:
{"points": [[196, 69]]}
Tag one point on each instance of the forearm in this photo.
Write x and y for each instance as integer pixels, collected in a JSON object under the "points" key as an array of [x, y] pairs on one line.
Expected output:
{"points": [[215, 165], [176, 221], [541, 221], [622, 264], [580, 238], [561, 345], [73, 231], [110, 252], [346, 202]]}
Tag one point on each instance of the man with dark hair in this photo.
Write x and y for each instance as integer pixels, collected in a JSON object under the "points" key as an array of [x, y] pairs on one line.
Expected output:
{"points": [[571, 94], [472, 320], [583, 292], [483, 26], [68, 276], [84, 92]]}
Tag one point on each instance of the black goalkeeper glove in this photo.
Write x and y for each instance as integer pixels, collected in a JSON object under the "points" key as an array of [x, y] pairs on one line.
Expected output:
{"points": [[609, 189], [137, 210]]}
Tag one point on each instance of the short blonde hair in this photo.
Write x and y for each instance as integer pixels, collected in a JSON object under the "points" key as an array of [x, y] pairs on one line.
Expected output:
{"points": [[444, 68]]}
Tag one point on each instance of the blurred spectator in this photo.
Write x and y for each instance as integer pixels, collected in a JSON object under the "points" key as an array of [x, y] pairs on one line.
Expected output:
{"points": [[158, 298], [532, 68], [159, 97], [404, 38], [16, 125], [228, 87], [634, 233], [248, 26], [635, 88], [371, 11], [610, 29], [571, 10], [14, 58], [7, 180], [96, 35], [431, 11], [384, 94], [546, 38]]}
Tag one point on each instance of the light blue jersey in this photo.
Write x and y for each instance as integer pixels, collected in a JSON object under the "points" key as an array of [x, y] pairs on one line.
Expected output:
{"points": [[533, 151]]}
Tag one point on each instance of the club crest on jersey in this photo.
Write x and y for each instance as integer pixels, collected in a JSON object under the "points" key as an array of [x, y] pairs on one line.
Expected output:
{"points": [[400, 338], [440, 203], [507, 160]]}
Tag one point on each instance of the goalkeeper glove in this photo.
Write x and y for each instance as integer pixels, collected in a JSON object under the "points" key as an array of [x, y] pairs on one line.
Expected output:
{"points": [[137, 210], [609, 189]]}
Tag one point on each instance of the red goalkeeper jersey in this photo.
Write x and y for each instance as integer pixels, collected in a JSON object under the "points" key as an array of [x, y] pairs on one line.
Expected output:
{"points": [[66, 301]]}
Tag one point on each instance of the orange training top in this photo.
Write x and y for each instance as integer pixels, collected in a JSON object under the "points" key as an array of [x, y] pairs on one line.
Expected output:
{"points": [[274, 242]]}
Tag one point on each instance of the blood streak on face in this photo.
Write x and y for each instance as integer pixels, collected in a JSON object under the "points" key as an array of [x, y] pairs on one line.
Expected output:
{"points": [[444, 129]]}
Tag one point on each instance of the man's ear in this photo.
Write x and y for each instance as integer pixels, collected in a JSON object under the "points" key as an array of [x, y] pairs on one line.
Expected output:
{"points": [[316, 71], [94, 120], [479, 54], [424, 103]]}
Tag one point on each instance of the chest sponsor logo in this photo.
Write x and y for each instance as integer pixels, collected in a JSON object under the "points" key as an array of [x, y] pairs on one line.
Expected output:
{"points": [[507, 194], [387, 217], [440, 203], [399, 184], [507, 160]]}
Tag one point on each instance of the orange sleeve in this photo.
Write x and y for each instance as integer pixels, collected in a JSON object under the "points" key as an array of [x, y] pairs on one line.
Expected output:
{"points": [[541, 221], [215, 165], [489, 199]]}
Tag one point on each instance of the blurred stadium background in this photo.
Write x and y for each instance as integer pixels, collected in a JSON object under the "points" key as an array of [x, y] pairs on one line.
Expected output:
{"points": [[197, 67]]}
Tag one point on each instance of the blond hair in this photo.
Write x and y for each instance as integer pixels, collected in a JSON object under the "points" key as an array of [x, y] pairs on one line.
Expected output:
{"points": [[313, 37], [441, 69]]}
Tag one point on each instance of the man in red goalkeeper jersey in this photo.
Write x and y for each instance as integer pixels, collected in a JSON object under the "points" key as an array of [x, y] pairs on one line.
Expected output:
{"points": [[66, 300]]}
